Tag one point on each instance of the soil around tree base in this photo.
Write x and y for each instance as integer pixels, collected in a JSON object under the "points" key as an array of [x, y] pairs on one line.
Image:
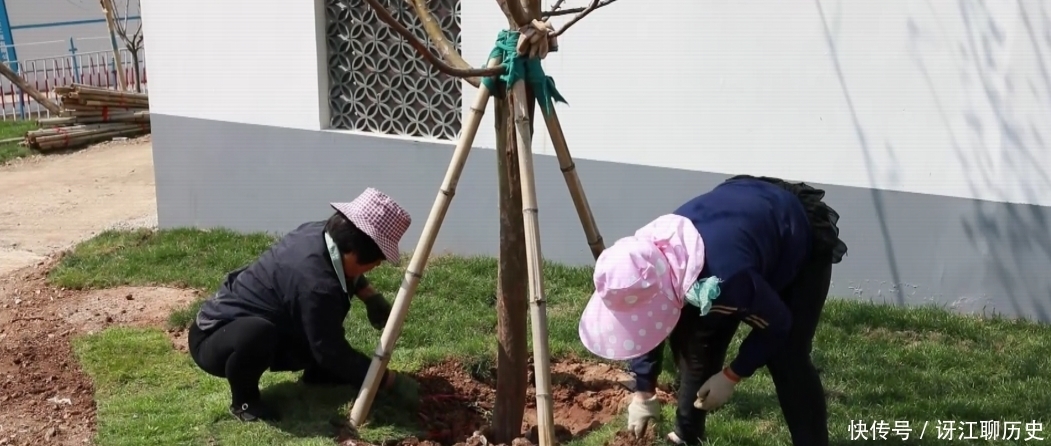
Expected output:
{"points": [[457, 405]]}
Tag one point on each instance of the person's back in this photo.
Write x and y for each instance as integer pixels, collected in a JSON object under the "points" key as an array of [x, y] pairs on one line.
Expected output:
{"points": [[750, 223], [757, 251], [265, 288]]}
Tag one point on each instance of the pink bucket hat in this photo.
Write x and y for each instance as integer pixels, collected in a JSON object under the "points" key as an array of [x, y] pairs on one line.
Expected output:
{"points": [[379, 216], [640, 287]]}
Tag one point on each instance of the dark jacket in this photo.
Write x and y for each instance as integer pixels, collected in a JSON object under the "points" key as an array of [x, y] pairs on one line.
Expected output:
{"points": [[756, 239], [294, 286]]}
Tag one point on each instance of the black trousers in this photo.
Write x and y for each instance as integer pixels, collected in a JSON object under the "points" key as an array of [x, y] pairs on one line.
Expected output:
{"points": [[242, 349], [699, 346]]}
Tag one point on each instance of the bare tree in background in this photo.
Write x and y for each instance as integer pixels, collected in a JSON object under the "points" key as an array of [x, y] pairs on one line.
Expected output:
{"points": [[512, 291], [132, 40]]}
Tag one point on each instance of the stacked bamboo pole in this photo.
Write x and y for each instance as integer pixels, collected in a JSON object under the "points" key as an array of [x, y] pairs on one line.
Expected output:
{"points": [[90, 115]]}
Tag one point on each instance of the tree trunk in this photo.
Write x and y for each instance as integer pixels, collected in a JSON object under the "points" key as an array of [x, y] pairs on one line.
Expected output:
{"points": [[135, 66], [512, 301], [512, 362]]}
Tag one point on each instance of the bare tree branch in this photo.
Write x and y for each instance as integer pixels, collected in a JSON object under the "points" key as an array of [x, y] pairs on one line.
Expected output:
{"points": [[555, 7], [555, 12], [591, 8], [420, 47], [446, 49], [127, 13], [137, 35], [121, 25], [515, 9], [532, 9]]}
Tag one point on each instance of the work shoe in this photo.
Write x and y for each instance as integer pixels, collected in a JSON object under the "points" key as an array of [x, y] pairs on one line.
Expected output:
{"points": [[254, 411], [675, 439]]}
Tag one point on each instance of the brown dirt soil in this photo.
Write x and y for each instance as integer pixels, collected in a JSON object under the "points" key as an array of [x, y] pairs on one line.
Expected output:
{"points": [[44, 394], [627, 438], [456, 406]]}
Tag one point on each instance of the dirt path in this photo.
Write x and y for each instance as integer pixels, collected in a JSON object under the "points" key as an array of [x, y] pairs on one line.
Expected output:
{"points": [[50, 203]]}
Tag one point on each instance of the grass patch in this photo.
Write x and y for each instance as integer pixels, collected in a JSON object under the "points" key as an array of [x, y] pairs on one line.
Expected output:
{"points": [[12, 129], [180, 257], [880, 364]]}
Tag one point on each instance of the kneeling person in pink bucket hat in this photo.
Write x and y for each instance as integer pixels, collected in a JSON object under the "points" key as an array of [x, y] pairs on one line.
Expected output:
{"points": [[752, 250], [285, 311]]}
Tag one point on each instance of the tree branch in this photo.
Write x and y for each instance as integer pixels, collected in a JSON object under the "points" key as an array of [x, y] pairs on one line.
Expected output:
{"points": [[555, 7], [127, 13], [516, 11], [120, 26], [446, 49], [532, 9], [420, 47], [554, 12], [591, 8]]}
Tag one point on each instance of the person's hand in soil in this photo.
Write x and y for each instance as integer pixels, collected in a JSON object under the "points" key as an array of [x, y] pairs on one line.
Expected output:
{"points": [[717, 390], [643, 411], [378, 310]]}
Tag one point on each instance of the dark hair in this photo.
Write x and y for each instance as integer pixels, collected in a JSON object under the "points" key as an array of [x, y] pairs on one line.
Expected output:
{"points": [[350, 239]]}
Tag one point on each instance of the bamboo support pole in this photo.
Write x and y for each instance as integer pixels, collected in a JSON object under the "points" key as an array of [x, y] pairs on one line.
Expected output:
{"points": [[414, 272], [88, 90], [41, 99], [534, 263], [58, 133], [107, 10], [142, 116], [106, 91], [576, 189], [81, 133], [77, 129], [88, 138]]}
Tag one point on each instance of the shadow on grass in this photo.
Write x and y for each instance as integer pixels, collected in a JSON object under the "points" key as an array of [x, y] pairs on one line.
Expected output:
{"points": [[309, 411]]}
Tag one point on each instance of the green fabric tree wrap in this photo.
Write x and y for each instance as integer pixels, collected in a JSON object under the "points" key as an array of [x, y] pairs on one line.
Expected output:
{"points": [[522, 68]]}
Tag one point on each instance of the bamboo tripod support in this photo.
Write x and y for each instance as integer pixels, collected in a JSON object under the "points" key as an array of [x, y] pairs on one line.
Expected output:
{"points": [[414, 270]]}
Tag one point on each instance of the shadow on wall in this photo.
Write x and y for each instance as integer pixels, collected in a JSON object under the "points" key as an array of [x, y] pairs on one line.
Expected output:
{"points": [[1003, 152], [1015, 239], [877, 195]]}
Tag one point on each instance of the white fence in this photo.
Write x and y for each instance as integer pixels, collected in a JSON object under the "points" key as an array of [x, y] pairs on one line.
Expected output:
{"points": [[94, 68]]}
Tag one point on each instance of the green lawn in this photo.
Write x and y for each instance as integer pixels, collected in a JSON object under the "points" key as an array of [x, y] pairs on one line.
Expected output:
{"points": [[880, 364], [11, 129]]}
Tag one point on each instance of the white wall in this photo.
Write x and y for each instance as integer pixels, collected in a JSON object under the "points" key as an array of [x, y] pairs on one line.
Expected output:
{"points": [[942, 97], [246, 61]]}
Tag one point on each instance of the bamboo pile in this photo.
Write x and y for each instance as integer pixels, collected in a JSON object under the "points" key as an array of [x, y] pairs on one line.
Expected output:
{"points": [[89, 115]]}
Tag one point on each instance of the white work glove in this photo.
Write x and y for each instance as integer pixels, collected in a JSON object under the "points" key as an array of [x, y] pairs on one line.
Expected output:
{"points": [[641, 413], [716, 390]]}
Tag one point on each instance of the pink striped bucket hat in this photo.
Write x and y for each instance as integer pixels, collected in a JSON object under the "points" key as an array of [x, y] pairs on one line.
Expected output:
{"points": [[379, 216], [640, 288]]}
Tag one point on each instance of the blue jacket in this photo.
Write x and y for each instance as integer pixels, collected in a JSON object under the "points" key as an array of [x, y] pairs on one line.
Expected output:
{"points": [[756, 238]]}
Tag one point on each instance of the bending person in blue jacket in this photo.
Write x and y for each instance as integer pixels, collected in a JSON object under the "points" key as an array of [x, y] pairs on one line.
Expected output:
{"points": [[752, 250]]}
